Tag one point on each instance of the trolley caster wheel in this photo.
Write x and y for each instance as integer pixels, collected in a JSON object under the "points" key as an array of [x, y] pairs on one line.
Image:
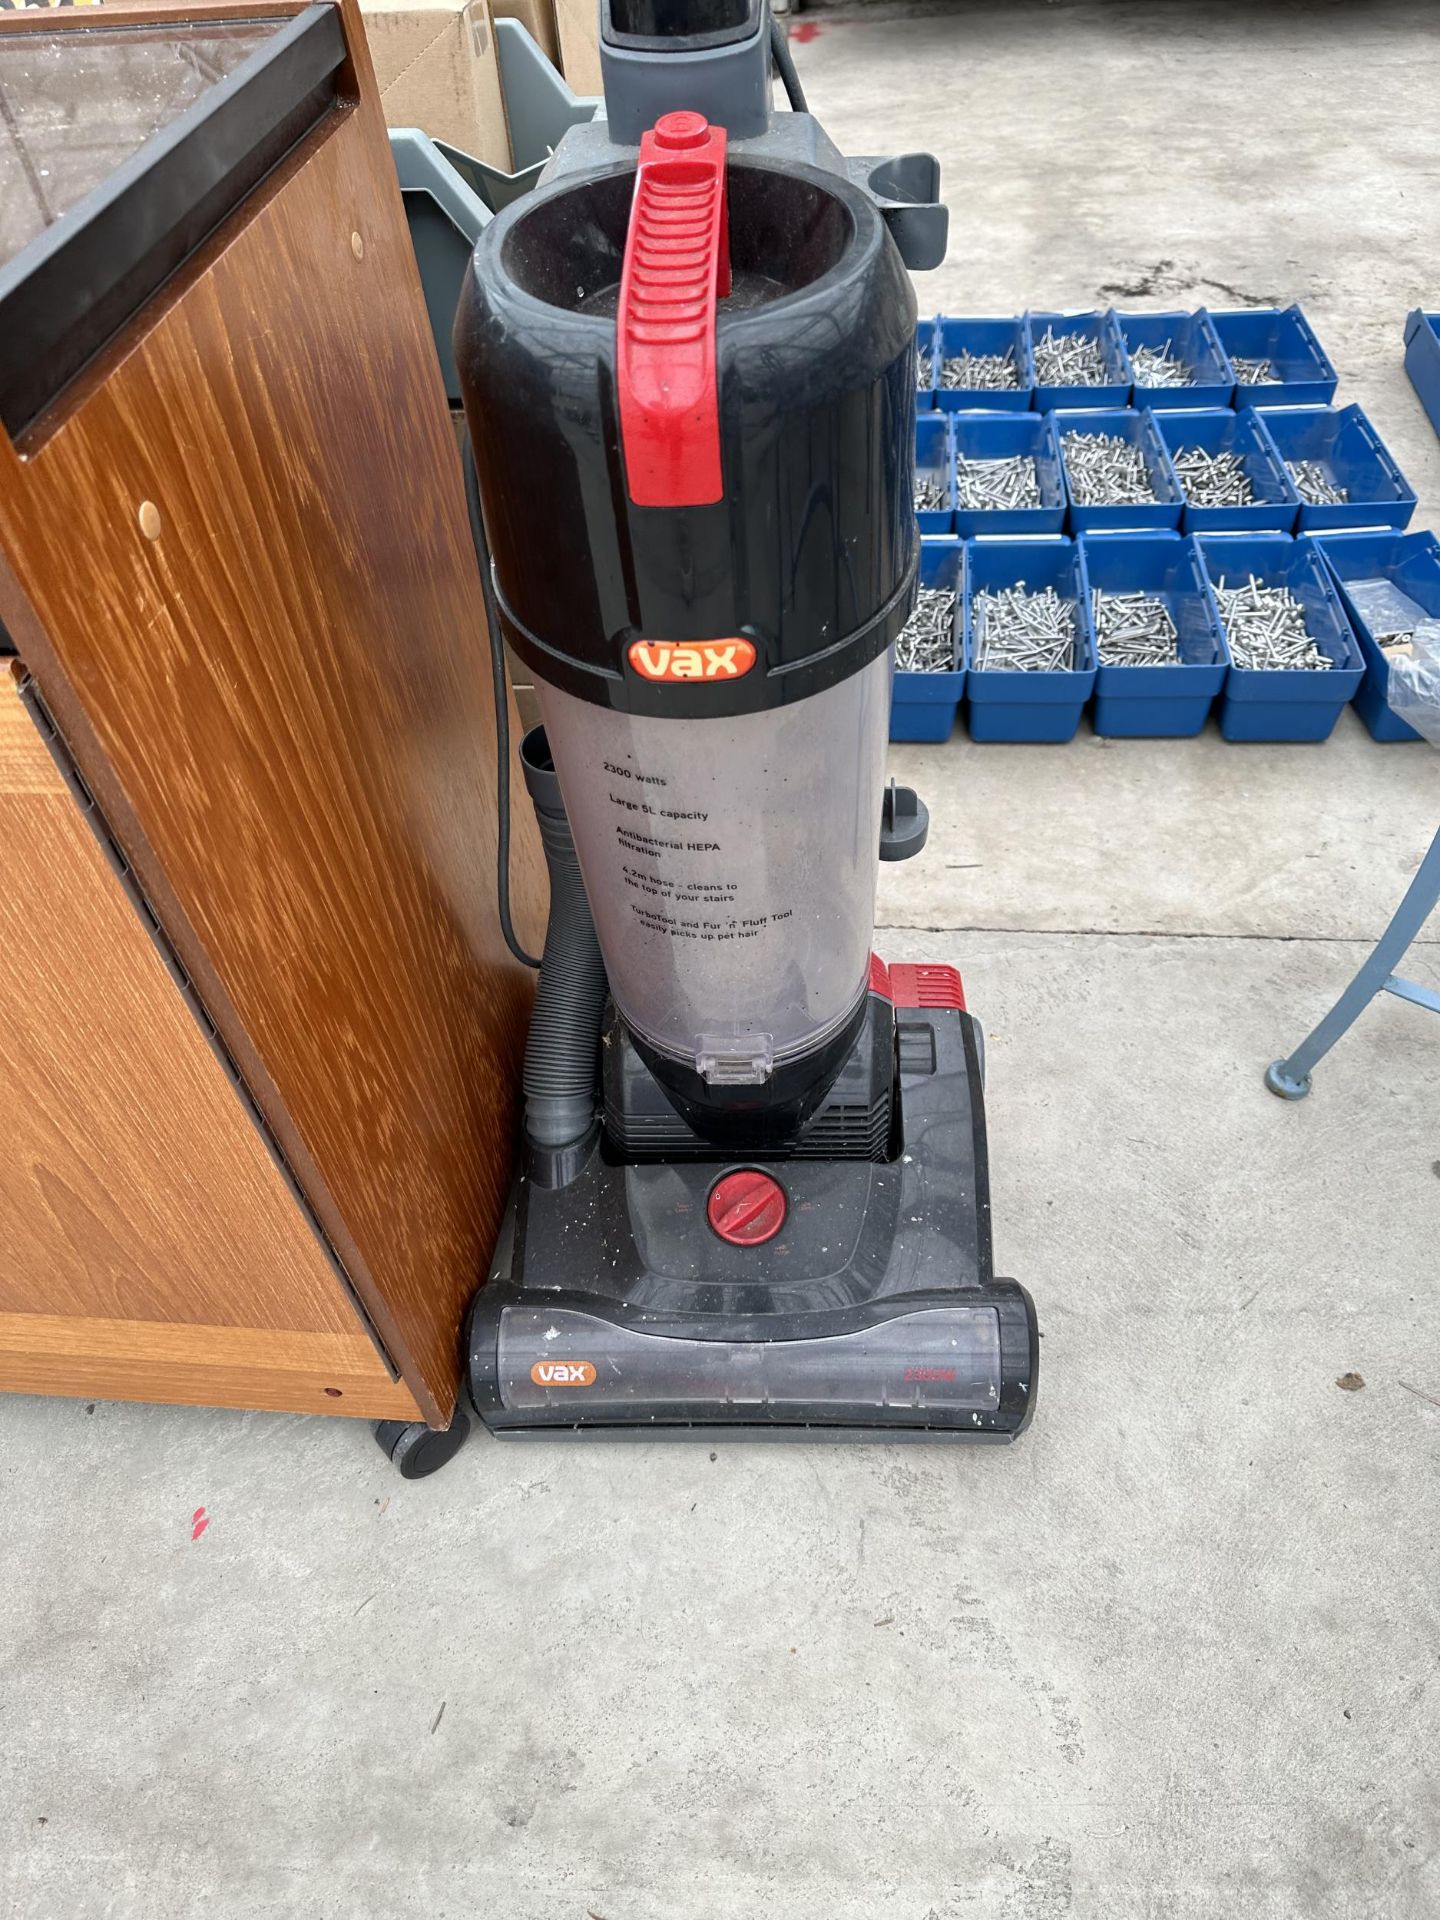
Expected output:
{"points": [[417, 1450]]}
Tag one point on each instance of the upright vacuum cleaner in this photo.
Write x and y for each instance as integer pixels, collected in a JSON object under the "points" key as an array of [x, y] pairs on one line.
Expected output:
{"points": [[753, 1193]]}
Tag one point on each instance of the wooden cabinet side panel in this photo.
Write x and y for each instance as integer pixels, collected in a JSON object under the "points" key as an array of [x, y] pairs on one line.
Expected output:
{"points": [[283, 702], [95, 1358], [148, 1243]]}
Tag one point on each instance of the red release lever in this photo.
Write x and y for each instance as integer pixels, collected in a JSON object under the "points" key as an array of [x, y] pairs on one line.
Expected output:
{"points": [[677, 263]]}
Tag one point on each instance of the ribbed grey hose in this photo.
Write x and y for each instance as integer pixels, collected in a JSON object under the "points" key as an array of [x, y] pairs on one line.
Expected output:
{"points": [[563, 1051]]}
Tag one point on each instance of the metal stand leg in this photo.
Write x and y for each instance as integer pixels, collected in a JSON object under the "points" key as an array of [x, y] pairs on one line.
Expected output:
{"points": [[1290, 1078]]}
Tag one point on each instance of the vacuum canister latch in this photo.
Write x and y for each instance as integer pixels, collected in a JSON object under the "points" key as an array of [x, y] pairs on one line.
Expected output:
{"points": [[677, 265]]}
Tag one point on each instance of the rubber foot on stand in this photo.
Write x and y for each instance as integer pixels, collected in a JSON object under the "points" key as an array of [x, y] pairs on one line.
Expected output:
{"points": [[1284, 1084]]}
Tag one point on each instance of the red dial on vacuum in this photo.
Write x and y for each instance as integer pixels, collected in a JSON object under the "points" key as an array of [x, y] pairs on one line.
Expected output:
{"points": [[747, 1208]]}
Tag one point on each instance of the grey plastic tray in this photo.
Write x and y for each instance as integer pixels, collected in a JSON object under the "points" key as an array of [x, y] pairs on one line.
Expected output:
{"points": [[450, 195]]}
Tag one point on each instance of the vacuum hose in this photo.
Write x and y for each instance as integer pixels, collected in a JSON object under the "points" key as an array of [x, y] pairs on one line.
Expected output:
{"points": [[562, 1054]]}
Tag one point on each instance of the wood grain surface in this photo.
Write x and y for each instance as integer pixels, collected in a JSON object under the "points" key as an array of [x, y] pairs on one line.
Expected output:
{"points": [[134, 1189], [282, 702], [94, 1358]]}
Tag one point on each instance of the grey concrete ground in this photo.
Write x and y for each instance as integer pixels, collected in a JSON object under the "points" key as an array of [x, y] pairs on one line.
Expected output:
{"points": [[1173, 1657]]}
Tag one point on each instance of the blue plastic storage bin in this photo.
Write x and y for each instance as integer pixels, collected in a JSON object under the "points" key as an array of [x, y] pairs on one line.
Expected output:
{"points": [[1221, 431], [1124, 423], [1155, 701], [1353, 456], [1411, 562], [934, 454], [1422, 360], [956, 336], [1193, 339], [1003, 436], [925, 331], [1261, 704], [923, 705], [1099, 326], [1285, 337], [1006, 704]]}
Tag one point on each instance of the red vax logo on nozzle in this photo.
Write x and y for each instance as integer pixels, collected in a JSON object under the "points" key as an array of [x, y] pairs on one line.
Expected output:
{"points": [[691, 659]]}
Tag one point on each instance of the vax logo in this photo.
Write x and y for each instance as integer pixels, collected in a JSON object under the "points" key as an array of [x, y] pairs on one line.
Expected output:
{"points": [[691, 659], [563, 1373]]}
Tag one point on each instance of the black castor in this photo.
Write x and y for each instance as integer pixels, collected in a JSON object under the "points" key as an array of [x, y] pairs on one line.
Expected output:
{"points": [[419, 1450]]}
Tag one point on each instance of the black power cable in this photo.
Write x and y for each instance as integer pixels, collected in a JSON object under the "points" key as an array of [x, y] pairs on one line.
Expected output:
{"points": [[785, 66], [502, 707]]}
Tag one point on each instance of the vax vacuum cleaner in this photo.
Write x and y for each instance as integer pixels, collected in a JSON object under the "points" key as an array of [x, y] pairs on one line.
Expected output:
{"points": [[753, 1193]]}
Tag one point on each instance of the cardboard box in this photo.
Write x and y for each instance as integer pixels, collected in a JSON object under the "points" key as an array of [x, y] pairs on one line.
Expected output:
{"points": [[538, 19], [437, 69], [578, 24]]}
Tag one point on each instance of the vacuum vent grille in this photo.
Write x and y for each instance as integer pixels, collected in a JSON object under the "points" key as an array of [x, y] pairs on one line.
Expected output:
{"points": [[839, 1132]]}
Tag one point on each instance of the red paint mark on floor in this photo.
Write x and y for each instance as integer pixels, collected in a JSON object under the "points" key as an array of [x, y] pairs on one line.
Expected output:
{"points": [[198, 1522], [804, 31]]}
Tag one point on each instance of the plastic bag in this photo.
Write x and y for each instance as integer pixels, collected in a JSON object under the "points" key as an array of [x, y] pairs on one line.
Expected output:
{"points": [[1413, 692], [1385, 610]]}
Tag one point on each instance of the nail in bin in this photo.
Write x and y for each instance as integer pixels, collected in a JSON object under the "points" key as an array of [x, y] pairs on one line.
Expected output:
{"points": [[935, 460], [925, 365], [985, 337], [923, 705], [1217, 431], [1192, 340], [1010, 704], [1104, 329], [1006, 436], [1284, 337], [1353, 457], [1162, 513], [1157, 701], [1285, 703], [1363, 566], [1422, 360]]}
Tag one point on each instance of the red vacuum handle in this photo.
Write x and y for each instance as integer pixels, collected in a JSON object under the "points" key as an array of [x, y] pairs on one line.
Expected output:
{"points": [[677, 264]]}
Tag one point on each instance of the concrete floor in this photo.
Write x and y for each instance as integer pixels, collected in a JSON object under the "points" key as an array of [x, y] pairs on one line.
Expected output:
{"points": [[1173, 1657]]}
